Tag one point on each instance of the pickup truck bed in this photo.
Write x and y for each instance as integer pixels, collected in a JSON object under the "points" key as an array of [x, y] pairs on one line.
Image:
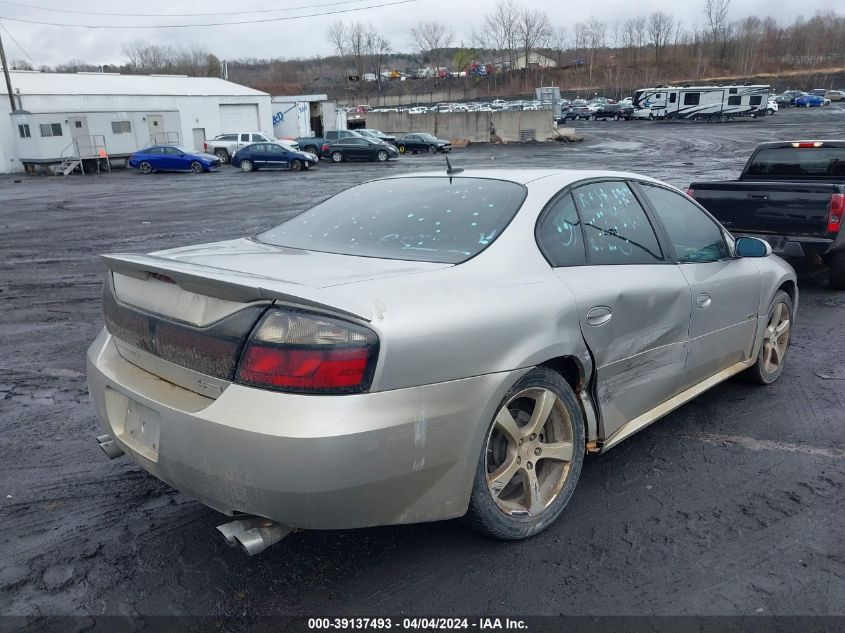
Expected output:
{"points": [[792, 194]]}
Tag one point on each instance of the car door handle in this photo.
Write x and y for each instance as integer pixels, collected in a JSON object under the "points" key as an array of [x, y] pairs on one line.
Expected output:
{"points": [[703, 300], [599, 315], [758, 196]]}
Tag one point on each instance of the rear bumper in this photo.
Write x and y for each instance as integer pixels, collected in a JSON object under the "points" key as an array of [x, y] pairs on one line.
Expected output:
{"points": [[792, 247], [321, 462]]}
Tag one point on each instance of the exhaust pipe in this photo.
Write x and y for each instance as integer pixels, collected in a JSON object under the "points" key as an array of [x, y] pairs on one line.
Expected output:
{"points": [[253, 534], [109, 446]]}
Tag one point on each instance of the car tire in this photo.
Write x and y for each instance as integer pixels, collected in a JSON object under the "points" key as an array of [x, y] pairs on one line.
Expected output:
{"points": [[382, 156], [776, 338], [401, 149], [836, 273], [337, 157], [247, 165], [145, 167], [770, 111], [223, 155], [650, 116], [296, 165], [310, 149], [615, 117], [505, 513], [197, 167], [432, 149]]}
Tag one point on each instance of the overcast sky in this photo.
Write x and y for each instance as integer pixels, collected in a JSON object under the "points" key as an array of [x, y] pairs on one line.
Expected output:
{"points": [[302, 37]]}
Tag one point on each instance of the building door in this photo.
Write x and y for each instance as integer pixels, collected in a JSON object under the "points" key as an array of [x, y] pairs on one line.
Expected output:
{"points": [[236, 118], [199, 138], [79, 134], [155, 122]]}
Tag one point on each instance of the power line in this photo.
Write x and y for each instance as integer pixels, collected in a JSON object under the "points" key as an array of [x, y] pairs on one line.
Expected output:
{"points": [[22, 49], [177, 15], [186, 26]]}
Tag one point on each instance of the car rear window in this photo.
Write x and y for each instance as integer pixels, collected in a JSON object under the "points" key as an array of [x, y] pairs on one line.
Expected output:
{"points": [[799, 162], [432, 219]]}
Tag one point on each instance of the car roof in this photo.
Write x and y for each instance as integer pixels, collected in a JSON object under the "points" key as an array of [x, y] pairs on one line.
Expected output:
{"points": [[525, 176]]}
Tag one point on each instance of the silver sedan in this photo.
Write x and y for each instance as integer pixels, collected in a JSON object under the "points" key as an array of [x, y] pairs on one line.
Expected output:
{"points": [[429, 346]]}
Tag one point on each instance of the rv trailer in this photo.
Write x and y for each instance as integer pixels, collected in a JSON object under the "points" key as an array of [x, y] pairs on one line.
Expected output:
{"points": [[701, 103]]}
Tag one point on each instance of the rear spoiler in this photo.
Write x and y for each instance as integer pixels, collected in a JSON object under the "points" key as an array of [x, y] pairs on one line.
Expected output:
{"points": [[233, 285]]}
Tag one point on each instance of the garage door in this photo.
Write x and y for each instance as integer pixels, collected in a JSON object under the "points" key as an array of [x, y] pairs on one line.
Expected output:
{"points": [[239, 118]]}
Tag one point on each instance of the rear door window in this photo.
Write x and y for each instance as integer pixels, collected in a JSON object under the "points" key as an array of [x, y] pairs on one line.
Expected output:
{"points": [[433, 219], [616, 226]]}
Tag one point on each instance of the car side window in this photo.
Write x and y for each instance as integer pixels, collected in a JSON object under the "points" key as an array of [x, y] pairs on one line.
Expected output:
{"points": [[256, 138], [559, 234], [245, 138], [694, 235], [617, 228]]}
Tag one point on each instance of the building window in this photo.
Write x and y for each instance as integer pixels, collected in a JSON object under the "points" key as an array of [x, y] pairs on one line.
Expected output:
{"points": [[755, 100], [121, 127], [51, 129], [732, 91], [692, 98], [23, 130], [735, 101]]}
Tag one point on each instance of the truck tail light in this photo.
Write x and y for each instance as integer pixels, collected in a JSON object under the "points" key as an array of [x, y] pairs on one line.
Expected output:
{"points": [[835, 212], [308, 353], [205, 146], [691, 193], [807, 144]]}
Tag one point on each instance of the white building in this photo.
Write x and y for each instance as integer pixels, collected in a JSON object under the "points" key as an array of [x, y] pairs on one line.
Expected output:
{"points": [[106, 114], [305, 115]]}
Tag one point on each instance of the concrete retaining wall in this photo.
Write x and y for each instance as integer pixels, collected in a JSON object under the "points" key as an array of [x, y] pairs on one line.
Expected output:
{"points": [[474, 126]]}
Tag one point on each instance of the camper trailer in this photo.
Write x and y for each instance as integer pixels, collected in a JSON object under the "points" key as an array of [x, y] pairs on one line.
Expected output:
{"points": [[701, 103]]}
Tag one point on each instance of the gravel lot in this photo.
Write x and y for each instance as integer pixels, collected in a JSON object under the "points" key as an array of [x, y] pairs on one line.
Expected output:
{"points": [[731, 505]]}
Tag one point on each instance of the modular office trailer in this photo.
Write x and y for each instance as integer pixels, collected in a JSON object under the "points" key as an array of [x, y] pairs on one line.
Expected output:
{"points": [[713, 103]]}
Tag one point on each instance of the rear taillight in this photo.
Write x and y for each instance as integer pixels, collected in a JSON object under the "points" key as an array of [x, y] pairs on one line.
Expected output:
{"points": [[325, 147], [691, 193], [807, 144], [308, 353], [205, 145], [835, 212]]}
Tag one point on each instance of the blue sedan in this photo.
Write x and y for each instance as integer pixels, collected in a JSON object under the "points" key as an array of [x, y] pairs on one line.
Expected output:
{"points": [[171, 158], [809, 101], [272, 156]]}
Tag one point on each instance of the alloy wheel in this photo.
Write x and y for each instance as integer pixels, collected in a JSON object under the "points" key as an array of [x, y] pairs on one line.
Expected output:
{"points": [[529, 452], [776, 338], [196, 167]]}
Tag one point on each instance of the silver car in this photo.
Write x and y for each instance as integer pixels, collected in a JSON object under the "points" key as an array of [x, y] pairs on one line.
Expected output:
{"points": [[429, 346]]}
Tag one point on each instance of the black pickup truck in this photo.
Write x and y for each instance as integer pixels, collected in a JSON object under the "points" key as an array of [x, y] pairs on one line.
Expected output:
{"points": [[791, 194]]}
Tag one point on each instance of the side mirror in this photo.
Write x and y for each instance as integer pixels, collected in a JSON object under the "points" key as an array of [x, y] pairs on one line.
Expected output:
{"points": [[752, 247]]}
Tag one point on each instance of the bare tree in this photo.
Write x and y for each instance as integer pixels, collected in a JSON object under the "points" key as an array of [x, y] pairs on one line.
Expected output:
{"points": [[499, 32], [532, 32], [660, 27], [717, 21], [596, 33], [431, 38], [376, 49]]}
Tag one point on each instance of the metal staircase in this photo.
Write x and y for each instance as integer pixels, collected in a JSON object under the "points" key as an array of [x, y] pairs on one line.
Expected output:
{"points": [[82, 148]]}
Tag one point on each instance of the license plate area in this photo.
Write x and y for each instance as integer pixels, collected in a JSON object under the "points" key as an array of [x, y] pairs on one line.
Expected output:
{"points": [[134, 424]]}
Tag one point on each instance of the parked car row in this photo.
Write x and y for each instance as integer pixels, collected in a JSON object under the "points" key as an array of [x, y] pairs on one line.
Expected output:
{"points": [[270, 153], [813, 99]]}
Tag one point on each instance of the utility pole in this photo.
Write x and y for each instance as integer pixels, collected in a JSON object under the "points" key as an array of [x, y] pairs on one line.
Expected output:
{"points": [[6, 74]]}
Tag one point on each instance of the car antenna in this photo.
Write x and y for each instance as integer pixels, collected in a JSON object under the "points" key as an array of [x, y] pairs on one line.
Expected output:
{"points": [[452, 170]]}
